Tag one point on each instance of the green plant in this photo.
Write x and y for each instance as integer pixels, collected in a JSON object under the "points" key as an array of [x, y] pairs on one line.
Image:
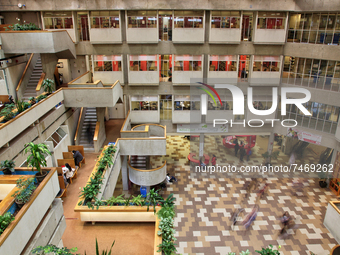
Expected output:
{"points": [[104, 252], [18, 27], [36, 159], [269, 250], [5, 220], [166, 212], [32, 100], [48, 85], [139, 200], [231, 253], [20, 105], [40, 97], [168, 247], [7, 165], [116, 200], [269, 156], [52, 248], [91, 190], [166, 228], [26, 188], [7, 112], [153, 197], [247, 252]]}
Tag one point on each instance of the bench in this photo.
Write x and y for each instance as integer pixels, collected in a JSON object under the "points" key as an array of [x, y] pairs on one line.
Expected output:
{"points": [[67, 155], [62, 162], [63, 189], [79, 148]]}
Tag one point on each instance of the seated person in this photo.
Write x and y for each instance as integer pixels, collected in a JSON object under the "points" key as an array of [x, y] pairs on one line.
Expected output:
{"points": [[170, 178], [77, 157], [68, 171]]}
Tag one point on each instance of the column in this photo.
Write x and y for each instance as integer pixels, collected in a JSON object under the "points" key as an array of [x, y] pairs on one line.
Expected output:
{"points": [[87, 62], [125, 178], [270, 144], [201, 147]]}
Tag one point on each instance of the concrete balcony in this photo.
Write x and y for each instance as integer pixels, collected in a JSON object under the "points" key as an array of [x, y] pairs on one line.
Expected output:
{"points": [[17, 125], [225, 35], [144, 77], [58, 42], [105, 35], [82, 96], [188, 35], [147, 177], [142, 35], [269, 36]]}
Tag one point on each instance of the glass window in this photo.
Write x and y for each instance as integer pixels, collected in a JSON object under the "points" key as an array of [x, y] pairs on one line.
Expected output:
{"points": [[143, 63], [144, 103], [188, 19], [225, 19], [188, 63], [58, 20], [107, 63], [183, 103], [266, 64], [142, 19], [271, 20]]}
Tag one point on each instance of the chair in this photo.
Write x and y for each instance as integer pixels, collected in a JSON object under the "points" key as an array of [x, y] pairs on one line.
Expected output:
{"points": [[63, 188]]}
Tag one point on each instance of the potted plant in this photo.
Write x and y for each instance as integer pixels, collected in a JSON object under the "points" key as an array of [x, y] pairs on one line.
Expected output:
{"points": [[268, 157], [32, 100], [48, 86], [36, 159], [26, 188], [5, 220], [7, 166], [40, 97], [7, 112]]}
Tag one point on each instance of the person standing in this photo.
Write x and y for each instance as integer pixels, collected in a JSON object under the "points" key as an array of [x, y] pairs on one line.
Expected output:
{"points": [[248, 153], [77, 157], [242, 153], [236, 147], [213, 160]]}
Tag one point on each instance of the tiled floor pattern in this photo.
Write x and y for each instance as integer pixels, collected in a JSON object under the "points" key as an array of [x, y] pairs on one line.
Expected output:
{"points": [[204, 205]]}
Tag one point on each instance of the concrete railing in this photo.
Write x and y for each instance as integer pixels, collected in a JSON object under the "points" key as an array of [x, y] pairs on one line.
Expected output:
{"points": [[79, 125], [22, 84], [27, 220], [82, 79], [93, 96], [332, 216], [15, 126], [147, 177], [39, 41]]}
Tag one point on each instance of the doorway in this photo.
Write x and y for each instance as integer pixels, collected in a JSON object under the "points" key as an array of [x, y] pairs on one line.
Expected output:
{"points": [[247, 26], [165, 106], [165, 67], [83, 27], [165, 25], [243, 70]]}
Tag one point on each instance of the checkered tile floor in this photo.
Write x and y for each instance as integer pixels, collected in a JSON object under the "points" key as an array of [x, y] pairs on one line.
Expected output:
{"points": [[204, 206]]}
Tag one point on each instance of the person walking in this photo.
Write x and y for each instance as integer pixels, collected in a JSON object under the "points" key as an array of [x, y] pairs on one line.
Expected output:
{"points": [[248, 153], [236, 147]]}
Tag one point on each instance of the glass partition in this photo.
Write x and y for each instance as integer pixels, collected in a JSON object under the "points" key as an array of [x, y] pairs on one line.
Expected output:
{"points": [[58, 20], [143, 62], [104, 19], [188, 19], [225, 19], [144, 103], [108, 63], [223, 63], [271, 20], [188, 63], [266, 64], [142, 19]]}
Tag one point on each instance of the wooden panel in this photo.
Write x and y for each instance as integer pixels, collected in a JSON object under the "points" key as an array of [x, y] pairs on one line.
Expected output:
{"points": [[7, 202], [42, 77], [67, 155], [79, 148], [62, 162], [24, 73]]}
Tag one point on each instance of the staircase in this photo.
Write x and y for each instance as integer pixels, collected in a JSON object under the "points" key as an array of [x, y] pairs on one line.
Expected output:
{"points": [[33, 81], [138, 162], [88, 128]]}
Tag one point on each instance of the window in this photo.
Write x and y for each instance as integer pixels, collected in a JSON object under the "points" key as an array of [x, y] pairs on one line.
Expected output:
{"points": [[188, 63], [314, 73], [144, 103], [319, 28], [227, 103], [143, 62], [271, 20], [107, 63], [183, 103], [225, 19], [57, 137], [104, 19], [189, 19], [58, 20], [142, 19], [266, 64], [324, 117], [223, 63]]}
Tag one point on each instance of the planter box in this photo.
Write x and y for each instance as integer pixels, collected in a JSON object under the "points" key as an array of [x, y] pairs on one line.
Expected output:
{"points": [[19, 232]]}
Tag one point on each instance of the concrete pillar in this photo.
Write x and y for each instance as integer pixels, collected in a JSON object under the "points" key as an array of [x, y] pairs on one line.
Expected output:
{"points": [[49, 62], [125, 178], [270, 144], [201, 147], [87, 62]]}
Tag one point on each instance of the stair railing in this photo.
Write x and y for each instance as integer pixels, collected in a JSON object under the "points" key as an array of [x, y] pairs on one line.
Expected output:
{"points": [[38, 88], [80, 124]]}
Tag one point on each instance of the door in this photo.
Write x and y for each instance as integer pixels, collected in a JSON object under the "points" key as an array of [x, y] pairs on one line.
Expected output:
{"points": [[165, 106], [247, 26], [165, 73], [243, 70], [83, 27], [165, 25]]}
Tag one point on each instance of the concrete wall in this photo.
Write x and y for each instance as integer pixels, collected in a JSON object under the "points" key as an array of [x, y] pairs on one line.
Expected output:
{"points": [[105, 35], [141, 117], [62, 146], [331, 217], [109, 77], [142, 146], [142, 35], [144, 77], [183, 77], [147, 178], [188, 35], [66, 70], [78, 67], [3, 87], [225, 35], [13, 75], [186, 116], [297, 5], [267, 36]]}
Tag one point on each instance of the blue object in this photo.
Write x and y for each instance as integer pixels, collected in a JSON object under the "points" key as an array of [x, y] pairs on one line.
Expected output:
{"points": [[143, 191], [12, 208], [112, 143]]}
